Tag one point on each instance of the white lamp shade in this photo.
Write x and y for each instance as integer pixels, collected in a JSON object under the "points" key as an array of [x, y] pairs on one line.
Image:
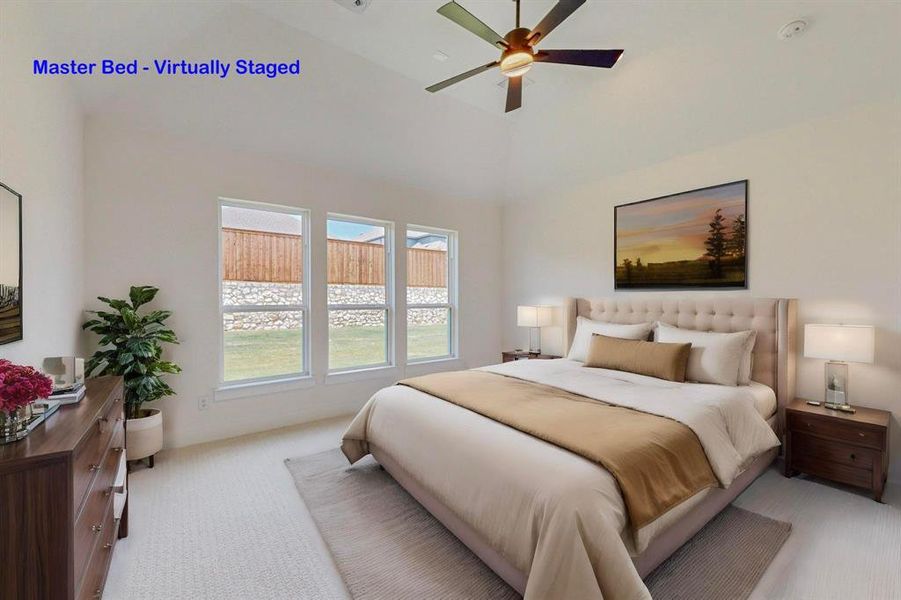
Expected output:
{"points": [[533, 316], [851, 343]]}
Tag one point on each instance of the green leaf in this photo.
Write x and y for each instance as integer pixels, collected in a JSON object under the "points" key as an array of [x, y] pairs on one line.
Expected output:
{"points": [[142, 294], [119, 305]]}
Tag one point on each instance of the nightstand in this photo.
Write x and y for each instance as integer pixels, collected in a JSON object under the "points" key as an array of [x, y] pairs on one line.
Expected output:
{"points": [[524, 355], [847, 448]]}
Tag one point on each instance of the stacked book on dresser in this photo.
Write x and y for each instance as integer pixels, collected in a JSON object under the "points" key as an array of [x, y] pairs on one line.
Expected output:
{"points": [[69, 395]]}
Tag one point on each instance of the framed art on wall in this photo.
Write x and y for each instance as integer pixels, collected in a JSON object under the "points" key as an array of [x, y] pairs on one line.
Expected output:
{"points": [[10, 265], [689, 240]]}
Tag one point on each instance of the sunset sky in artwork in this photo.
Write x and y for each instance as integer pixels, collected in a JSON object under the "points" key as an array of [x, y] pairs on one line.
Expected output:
{"points": [[675, 227]]}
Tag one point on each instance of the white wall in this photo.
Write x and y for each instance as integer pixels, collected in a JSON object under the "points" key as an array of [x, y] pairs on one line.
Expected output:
{"points": [[824, 226], [152, 215], [41, 158]]}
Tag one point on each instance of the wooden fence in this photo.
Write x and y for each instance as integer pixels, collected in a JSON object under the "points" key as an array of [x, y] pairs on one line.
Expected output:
{"points": [[261, 256], [278, 258]]}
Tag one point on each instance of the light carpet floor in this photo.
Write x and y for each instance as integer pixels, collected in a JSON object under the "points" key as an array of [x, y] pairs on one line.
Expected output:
{"points": [[224, 521], [387, 546]]}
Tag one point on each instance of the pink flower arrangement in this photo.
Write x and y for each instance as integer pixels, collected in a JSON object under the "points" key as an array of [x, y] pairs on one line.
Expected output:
{"points": [[21, 385]]}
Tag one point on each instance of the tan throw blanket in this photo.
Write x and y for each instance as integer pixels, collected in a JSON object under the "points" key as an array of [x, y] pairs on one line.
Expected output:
{"points": [[657, 462]]}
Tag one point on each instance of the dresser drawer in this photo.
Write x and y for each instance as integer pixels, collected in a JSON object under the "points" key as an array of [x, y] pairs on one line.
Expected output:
{"points": [[830, 428], [96, 569], [837, 452], [90, 451], [89, 525]]}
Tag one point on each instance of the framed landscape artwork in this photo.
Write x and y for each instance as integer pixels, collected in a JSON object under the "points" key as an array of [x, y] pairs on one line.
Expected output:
{"points": [[10, 265], [695, 239]]}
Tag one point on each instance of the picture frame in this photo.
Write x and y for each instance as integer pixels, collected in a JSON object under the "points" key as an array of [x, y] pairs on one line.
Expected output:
{"points": [[11, 329], [697, 239]]}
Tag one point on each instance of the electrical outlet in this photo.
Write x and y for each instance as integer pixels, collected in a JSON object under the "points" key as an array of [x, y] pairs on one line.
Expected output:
{"points": [[203, 402]]}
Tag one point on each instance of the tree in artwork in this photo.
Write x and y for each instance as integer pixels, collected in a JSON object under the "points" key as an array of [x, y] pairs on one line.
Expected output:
{"points": [[716, 242], [738, 238]]}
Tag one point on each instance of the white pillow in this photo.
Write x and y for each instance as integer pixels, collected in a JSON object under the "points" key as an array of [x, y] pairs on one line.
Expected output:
{"points": [[715, 357], [747, 361], [585, 328]]}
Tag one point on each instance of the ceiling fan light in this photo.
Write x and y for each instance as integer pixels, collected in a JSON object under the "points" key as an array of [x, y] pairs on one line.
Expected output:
{"points": [[516, 64]]}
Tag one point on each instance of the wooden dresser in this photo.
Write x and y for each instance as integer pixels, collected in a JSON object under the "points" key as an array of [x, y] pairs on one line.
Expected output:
{"points": [[60, 490], [843, 447]]}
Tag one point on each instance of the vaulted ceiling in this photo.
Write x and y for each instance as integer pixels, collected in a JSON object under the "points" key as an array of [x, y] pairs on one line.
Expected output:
{"points": [[694, 74]]}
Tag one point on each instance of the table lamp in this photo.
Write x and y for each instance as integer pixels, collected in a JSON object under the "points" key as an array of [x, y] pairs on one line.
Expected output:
{"points": [[839, 345], [534, 317]]}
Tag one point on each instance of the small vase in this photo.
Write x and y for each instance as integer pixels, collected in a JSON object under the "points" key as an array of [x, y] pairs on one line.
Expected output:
{"points": [[14, 424]]}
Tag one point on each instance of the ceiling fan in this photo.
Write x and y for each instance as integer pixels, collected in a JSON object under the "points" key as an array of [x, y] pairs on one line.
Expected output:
{"points": [[518, 47]]}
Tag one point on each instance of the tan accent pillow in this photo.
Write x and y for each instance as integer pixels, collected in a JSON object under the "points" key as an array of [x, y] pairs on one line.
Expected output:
{"points": [[655, 359]]}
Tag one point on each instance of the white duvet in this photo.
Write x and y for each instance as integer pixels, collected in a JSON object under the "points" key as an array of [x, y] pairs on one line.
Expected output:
{"points": [[552, 514]]}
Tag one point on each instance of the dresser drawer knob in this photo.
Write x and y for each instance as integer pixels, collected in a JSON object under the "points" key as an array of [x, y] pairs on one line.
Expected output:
{"points": [[861, 434], [107, 545], [118, 449], [94, 467], [96, 528], [853, 456], [98, 593]]}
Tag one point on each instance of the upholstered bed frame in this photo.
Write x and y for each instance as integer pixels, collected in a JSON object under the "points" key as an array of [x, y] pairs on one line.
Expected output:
{"points": [[774, 320], [773, 365]]}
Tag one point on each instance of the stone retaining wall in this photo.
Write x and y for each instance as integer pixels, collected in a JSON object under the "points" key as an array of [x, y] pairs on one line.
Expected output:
{"points": [[249, 292]]}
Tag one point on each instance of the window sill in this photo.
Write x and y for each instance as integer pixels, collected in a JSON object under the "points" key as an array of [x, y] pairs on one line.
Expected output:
{"points": [[384, 372], [431, 365], [232, 391]]}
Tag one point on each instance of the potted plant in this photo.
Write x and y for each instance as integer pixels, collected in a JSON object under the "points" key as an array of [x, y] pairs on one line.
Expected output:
{"points": [[131, 345], [20, 386]]}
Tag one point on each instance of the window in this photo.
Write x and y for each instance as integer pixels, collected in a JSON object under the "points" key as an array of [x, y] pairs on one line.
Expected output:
{"points": [[264, 267], [360, 293], [431, 293]]}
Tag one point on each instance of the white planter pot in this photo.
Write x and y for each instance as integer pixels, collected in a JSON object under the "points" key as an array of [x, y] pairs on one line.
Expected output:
{"points": [[145, 435]]}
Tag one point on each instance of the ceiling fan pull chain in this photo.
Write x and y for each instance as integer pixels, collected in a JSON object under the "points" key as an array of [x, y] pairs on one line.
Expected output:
{"points": [[517, 13]]}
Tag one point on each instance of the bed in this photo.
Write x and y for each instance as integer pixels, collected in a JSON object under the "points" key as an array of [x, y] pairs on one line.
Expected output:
{"points": [[550, 522]]}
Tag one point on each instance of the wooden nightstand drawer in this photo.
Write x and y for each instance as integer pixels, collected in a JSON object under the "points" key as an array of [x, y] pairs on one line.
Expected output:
{"points": [[837, 452], [834, 471], [830, 428]]}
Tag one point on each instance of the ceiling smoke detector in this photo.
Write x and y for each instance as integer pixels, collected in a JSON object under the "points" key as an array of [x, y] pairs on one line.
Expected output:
{"points": [[793, 29], [356, 6]]}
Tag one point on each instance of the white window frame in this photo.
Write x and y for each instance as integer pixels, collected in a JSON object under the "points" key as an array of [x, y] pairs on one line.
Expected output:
{"points": [[303, 308], [388, 306], [452, 304]]}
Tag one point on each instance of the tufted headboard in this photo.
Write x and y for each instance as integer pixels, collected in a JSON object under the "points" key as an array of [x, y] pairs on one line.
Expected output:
{"points": [[774, 319]]}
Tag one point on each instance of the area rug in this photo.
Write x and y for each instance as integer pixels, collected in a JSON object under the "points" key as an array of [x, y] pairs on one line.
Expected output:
{"points": [[387, 546]]}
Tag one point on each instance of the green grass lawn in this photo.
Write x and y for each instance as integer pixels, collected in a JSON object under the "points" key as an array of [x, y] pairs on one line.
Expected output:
{"points": [[251, 354]]}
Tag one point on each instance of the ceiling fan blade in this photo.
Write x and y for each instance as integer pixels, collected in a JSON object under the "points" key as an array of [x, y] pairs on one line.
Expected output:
{"points": [[467, 20], [585, 58], [458, 78], [514, 93], [554, 17]]}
